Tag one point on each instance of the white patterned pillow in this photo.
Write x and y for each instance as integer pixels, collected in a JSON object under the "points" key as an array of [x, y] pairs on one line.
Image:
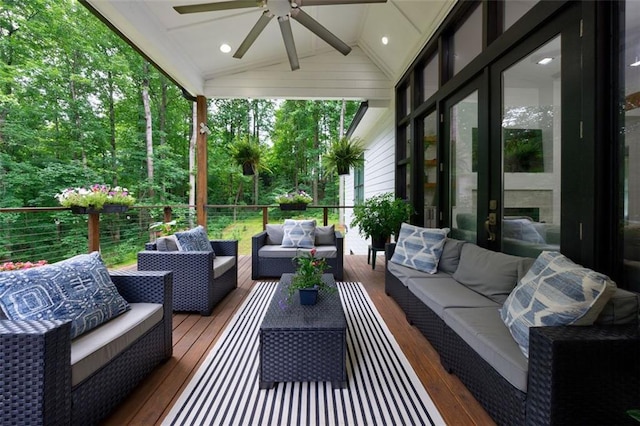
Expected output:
{"points": [[554, 292], [299, 233], [195, 239], [77, 289], [419, 248]]}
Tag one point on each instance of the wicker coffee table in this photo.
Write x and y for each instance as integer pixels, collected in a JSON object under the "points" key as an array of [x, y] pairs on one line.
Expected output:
{"points": [[303, 343]]}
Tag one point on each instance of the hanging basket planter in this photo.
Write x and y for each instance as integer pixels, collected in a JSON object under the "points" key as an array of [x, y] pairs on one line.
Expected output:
{"points": [[107, 208], [247, 169], [293, 206]]}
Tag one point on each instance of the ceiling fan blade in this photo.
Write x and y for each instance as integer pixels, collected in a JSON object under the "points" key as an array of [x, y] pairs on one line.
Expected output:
{"points": [[334, 2], [289, 44], [224, 5], [316, 28], [253, 34]]}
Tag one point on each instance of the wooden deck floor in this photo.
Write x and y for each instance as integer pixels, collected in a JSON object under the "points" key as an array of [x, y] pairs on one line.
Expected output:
{"points": [[195, 335]]}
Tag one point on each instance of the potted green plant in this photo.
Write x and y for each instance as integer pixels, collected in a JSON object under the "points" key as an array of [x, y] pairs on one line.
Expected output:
{"points": [[344, 154], [296, 200], [247, 154], [381, 216], [96, 198], [307, 280]]}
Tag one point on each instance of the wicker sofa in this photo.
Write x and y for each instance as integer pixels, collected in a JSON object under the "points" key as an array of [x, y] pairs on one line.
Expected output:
{"points": [[48, 378], [200, 279], [573, 375], [270, 259]]}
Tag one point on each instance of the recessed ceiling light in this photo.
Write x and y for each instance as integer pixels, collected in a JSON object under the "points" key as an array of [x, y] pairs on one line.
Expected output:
{"points": [[635, 64], [544, 61], [385, 40], [225, 48]]}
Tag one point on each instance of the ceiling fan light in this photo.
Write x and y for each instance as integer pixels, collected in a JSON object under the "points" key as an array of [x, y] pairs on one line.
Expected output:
{"points": [[225, 48]]}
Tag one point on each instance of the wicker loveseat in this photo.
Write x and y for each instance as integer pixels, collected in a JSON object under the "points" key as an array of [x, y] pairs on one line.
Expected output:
{"points": [[200, 279], [573, 375], [270, 259], [48, 378]]}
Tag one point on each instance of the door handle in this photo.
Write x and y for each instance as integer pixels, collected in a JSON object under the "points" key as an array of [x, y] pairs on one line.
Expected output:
{"points": [[489, 226]]}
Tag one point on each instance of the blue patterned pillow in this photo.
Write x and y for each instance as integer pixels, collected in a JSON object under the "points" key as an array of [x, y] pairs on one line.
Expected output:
{"points": [[419, 248], [195, 239], [555, 291], [299, 233], [77, 289]]}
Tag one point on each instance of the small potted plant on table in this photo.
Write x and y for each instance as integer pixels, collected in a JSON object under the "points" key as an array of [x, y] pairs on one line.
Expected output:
{"points": [[307, 280]]}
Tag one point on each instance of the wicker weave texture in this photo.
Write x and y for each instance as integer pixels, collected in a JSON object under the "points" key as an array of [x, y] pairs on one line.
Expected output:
{"points": [[195, 288], [35, 373], [275, 267], [303, 343]]}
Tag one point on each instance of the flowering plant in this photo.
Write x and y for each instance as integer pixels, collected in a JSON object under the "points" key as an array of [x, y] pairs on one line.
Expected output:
{"points": [[299, 197], [14, 266], [95, 196], [308, 272]]}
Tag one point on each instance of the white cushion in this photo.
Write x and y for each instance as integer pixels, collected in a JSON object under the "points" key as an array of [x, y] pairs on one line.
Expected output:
{"points": [[419, 248], [97, 347], [554, 292]]}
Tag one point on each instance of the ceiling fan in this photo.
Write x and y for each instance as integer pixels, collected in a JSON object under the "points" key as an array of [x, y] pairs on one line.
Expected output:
{"points": [[284, 10]]}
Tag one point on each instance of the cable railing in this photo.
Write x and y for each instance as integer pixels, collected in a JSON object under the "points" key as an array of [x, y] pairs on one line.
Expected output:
{"points": [[55, 233]]}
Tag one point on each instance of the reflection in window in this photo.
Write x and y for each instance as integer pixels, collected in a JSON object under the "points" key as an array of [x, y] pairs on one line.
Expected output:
{"points": [[531, 153], [358, 184], [430, 169], [514, 10], [630, 130], [430, 78], [467, 40], [464, 182]]}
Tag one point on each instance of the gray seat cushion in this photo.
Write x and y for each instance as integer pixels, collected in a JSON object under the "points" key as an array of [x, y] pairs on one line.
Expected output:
{"points": [[484, 331], [270, 251], [275, 234], [222, 264], [325, 235], [94, 349], [622, 308], [441, 293]]}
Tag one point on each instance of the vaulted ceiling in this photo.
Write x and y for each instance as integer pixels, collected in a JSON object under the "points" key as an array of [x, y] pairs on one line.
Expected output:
{"points": [[187, 47]]}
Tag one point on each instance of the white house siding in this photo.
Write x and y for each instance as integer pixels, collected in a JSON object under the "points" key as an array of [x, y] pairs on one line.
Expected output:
{"points": [[379, 175]]}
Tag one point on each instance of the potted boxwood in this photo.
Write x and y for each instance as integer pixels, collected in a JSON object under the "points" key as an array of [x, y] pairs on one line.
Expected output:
{"points": [[247, 154], [381, 216], [344, 154]]}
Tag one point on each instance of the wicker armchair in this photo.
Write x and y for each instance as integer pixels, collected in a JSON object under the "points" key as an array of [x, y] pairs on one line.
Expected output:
{"points": [[198, 283], [35, 367]]}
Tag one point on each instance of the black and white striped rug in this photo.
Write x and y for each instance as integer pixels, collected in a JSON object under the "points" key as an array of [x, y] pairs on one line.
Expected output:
{"points": [[382, 388]]}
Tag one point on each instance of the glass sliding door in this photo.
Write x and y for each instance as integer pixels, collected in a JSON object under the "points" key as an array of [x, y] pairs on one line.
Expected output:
{"points": [[463, 182], [530, 151], [630, 131]]}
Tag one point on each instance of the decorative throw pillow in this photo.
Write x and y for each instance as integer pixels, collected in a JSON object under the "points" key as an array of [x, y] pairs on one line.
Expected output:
{"points": [[555, 291], [299, 233], [77, 289], [420, 248], [167, 243], [325, 235], [195, 239], [522, 229]]}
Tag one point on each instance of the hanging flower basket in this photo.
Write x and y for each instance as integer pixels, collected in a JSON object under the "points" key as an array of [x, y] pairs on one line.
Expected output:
{"points": [[107, 208], [293, 206]]}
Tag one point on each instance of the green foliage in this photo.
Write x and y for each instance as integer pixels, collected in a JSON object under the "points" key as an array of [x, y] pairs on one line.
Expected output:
{"points": [[345, 153], [381, 215]]}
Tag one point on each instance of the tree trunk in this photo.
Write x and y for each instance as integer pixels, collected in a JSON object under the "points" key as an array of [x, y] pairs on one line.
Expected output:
{"points": [[192, 163], [112, 129], [341, 200], [147, 119]]}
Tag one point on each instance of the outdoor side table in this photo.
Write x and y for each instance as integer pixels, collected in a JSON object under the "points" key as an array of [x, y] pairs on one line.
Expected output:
{"points": [[301, 343]]}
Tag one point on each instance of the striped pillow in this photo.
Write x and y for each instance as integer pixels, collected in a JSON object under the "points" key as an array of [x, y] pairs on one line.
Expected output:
{"points": [[555, 291], [299, 233], [420, 248]]}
